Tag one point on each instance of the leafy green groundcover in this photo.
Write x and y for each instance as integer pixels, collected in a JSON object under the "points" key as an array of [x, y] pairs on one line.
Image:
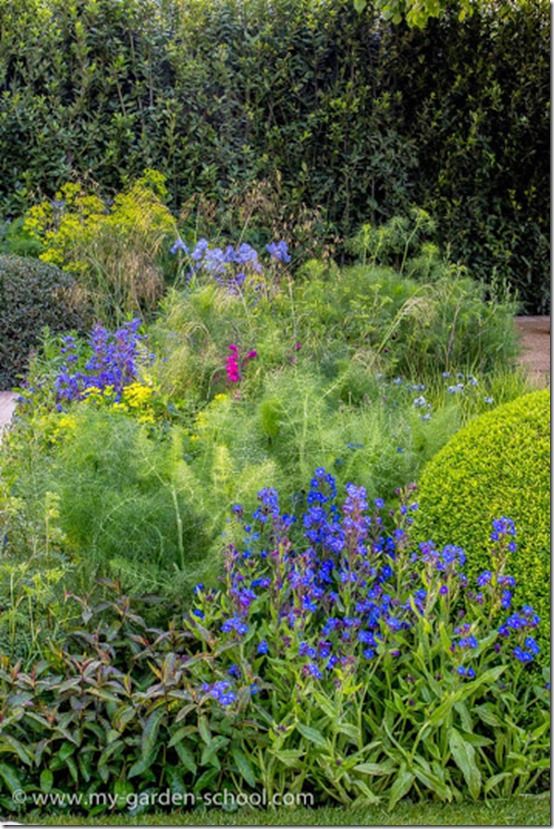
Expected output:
{"points": [[520, 811]]}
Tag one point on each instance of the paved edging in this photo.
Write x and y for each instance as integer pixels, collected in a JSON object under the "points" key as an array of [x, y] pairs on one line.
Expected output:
{"points": [[7, 406]]}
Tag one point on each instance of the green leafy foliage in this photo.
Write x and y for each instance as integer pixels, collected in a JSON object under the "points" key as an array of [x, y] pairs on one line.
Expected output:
{"points": [[342, 112], [116, 250], [33, 295], [120, 705], [144, 490], [497, 465]]}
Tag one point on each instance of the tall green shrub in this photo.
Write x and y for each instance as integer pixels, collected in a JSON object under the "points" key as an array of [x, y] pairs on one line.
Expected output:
{"points": [[345, 111]]}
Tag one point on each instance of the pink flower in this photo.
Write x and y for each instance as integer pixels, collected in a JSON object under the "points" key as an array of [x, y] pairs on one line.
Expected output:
{"points": [[233, 363], [297, 346]]}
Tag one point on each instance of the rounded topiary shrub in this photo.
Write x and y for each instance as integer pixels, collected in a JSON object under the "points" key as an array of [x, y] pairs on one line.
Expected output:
{"points": [[33, 295], [498, 465]]}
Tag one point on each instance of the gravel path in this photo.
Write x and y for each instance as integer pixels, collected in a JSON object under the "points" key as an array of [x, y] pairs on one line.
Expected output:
{"points": [[535, 340]]}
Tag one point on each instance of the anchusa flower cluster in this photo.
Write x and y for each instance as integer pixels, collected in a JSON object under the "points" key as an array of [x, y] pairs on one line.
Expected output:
{"points": [[234, 363], [341, 593], [232, 265], [115, 361]]}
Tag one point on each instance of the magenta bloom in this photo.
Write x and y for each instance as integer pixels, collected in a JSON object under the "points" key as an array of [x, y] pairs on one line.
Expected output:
{"points": [[234, 363], [232, 368]]}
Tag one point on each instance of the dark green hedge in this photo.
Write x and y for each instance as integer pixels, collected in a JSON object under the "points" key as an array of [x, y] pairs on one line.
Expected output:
{"points": [[358, 116]]}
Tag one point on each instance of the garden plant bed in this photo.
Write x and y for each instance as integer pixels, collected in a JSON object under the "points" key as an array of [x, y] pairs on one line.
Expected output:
{"points": [[274, 433]]}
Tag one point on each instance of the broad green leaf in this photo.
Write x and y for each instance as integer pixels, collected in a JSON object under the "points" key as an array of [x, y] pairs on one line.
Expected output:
{"points": [[137, 768], [10, 777], [325, 704], [9, 744], [464, 757], [150, 733], [178, 736], [288, 756], [73, 770], [493, 781], [401, 786], [205, 780], [209, 754], [376, 769], [243, 765], [465, 717], [432, 781], [122, 789], [350, 731], [312, 734], [65, 751], [186, 757], [109, 752], [46, 781], [203, 730], [487, 714], [368, 795]]}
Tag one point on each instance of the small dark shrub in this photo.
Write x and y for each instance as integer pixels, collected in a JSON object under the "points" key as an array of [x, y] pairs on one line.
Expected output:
{"points": [[33, 296]]}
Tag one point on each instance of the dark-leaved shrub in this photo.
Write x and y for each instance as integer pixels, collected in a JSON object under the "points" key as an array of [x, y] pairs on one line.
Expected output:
{"points": [[33, 296]]}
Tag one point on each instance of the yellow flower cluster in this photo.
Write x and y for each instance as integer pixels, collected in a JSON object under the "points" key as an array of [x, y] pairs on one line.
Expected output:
{"points": [[73, 222], [55, 427], [136, 399], [59, 229]]}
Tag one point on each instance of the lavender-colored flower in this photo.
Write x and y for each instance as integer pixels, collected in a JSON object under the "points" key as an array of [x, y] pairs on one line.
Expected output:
{"points": [[179, 245], [279, 251]]}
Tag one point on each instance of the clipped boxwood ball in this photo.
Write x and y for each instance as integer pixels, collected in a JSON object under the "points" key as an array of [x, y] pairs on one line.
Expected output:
{"points": [[499, 464], [33, 295]]}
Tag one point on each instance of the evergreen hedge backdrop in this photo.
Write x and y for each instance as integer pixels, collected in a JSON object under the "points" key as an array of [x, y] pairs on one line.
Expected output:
{"points": [[347, 112]]}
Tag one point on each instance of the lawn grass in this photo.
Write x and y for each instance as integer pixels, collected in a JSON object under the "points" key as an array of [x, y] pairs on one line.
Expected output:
{"points": [[517, 811]]}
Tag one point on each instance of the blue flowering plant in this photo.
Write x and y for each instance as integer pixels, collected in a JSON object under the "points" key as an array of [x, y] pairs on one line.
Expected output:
{"points": [[110, 369], [235, 267], [366, 667], [115, 360]]}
